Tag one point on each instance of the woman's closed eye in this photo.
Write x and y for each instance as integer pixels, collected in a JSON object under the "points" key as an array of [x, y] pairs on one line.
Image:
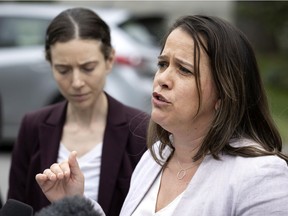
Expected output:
{"points": [[87, 69], [184, 70], [62, 69]]}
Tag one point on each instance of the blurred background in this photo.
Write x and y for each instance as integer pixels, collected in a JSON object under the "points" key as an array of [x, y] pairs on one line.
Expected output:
{"points": [[137, 27]]}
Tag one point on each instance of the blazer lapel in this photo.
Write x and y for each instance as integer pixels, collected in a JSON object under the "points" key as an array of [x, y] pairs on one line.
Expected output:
{"points": [[112, 152], [144, 183], [144, 177], [114, 144], [50, 133]]}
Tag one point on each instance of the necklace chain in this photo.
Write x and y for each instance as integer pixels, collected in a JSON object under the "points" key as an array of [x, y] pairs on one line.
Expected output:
{"points": [[182, 172]]}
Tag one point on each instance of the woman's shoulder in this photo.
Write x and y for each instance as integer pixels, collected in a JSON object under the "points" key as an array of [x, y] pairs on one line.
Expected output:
{"points": [[45, 112], [254, 167], [245, 171], [269, 165], [260, 177], [260, 182], [253, 162]]}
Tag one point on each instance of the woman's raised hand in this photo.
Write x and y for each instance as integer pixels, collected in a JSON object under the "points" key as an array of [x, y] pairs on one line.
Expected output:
{"points": [[61, 180]]}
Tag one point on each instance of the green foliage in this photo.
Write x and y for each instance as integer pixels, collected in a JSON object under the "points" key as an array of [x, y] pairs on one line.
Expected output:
{"points": [[272, 66], [266, 25], [274, 70], [279, 106], [271, 14]]}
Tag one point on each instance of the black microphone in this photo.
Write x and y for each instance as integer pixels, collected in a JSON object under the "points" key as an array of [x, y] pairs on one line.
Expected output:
{"points": [[75, 205], [13, 207]]}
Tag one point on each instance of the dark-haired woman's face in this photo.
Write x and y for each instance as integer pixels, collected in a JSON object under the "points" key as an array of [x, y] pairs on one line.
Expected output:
{"points": [[175, 98], [80, 70]]}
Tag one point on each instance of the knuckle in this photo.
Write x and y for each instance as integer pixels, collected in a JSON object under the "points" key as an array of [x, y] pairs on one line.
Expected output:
{"points": [[54, 166], [46, 171]]}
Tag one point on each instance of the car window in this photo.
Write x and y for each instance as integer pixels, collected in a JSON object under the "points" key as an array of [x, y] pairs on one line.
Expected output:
{"points": [[21, 32], [145, 30], [138, 33]]}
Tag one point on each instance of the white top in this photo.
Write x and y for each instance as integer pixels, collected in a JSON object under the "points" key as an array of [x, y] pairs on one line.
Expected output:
{"points": [[90, 164], [232, 186], [148, 205]]}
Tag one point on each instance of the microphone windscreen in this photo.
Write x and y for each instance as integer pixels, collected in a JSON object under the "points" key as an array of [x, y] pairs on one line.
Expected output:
{"points": [[75, 205], [16, 208]]}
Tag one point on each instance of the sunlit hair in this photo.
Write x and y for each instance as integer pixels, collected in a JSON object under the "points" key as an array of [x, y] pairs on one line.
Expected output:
{"points": [[78, 23], [244, 111]]}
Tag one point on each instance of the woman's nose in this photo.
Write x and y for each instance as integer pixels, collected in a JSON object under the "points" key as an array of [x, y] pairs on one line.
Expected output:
{"points": [[77, 81], [164, 79]]}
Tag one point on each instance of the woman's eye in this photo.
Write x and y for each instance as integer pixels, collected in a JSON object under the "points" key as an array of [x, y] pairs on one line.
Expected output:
{"points": [[87, 69], [62, 70], [184, 70], [161, 64]]}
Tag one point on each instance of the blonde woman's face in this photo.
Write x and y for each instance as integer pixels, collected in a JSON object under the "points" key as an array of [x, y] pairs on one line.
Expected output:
{"points": [[80, 70], [175, 99]]}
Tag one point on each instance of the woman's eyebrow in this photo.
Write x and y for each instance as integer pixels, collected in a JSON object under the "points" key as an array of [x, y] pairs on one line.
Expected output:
{"points": [[179, 61], [89, 62], [162, 57], [184, 63], [61, 65]]}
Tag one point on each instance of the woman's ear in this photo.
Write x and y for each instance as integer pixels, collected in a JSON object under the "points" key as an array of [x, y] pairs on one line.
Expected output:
{"points": [[217, 104], [110, 60]]}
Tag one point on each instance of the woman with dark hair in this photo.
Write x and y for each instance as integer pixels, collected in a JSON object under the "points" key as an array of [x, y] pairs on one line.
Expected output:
{"points": [[108, 136], [213, 147]]}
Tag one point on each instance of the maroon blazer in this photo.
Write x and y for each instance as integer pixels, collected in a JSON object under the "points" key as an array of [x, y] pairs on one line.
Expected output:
{"points": [[37, 148]]}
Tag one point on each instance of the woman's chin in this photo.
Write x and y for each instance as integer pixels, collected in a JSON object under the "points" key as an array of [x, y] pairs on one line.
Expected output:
{"points": [[158, 118]]}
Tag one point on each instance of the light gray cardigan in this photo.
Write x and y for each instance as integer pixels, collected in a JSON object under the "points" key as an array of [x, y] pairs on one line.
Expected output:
{"points": [[232, 186]]}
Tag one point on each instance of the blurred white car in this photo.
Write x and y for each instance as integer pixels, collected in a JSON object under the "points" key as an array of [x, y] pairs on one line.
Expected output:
{"points": [[26, 82]]}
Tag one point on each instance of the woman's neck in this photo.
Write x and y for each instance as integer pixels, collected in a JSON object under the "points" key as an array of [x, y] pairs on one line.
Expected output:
{"points": [[186, 147], [88, 117]]}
